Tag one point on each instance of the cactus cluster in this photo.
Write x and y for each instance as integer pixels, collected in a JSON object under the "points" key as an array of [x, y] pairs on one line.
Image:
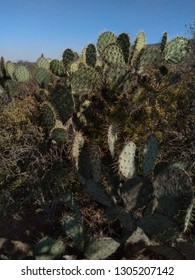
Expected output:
{"points": [[78, 96]]}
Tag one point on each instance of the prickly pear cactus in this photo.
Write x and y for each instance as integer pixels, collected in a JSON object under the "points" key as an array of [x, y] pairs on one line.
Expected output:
{"points": [[59, 135], [42, 77], [151, 57], [68, 57], [91, 55], [138, 46], [95, 163], [21, 74], [163, 41], [47, 117], [85, 81], [150, 153], [105, 39], [74, 229], [63, 102], [10, 69], [101, 249], [49, 249], [174, 194], [176, 50], [112, 138], [57, 67], [123, 41], [98, 193], [113, 55], [159, 227], [126, 161], [43, 62]]}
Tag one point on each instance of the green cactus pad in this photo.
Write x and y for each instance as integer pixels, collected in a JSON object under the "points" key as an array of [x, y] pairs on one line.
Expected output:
{"points": [[57, 67], [2, 67], [113, 55], [98, 193], [43, 62], [123, 41], [74, 229], [151, 57], [112, 138], [49, 249], [150, 153], [10, 69], [163, 41], [101, 249], [48, 116], [105, 39], [95, 163], [21, 74], [42, 77], [76, 65], [159, 227], [140, 41], [138, 46], [68, 57], [85, 81], [176, 50], [91, 55], [126, 162], [174, 194], [62, 100]]}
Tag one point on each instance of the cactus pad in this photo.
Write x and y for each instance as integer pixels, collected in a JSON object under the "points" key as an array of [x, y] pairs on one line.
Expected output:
{"points": [[126, 162], [101, 249]]}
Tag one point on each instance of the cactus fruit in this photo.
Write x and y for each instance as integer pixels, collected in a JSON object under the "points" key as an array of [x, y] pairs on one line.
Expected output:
{"points": [[21, 74], [176, 50], [105, 39], [42, 77], [126, 161], [150, 153], [49, 249], [101, 249]]}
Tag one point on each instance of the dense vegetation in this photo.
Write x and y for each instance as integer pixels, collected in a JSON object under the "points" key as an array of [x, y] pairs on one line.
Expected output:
{"points": [[97, 152]]}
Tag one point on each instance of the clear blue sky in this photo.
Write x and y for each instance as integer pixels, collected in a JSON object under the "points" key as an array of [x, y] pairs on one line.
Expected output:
{"points": [[31, 27]]}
